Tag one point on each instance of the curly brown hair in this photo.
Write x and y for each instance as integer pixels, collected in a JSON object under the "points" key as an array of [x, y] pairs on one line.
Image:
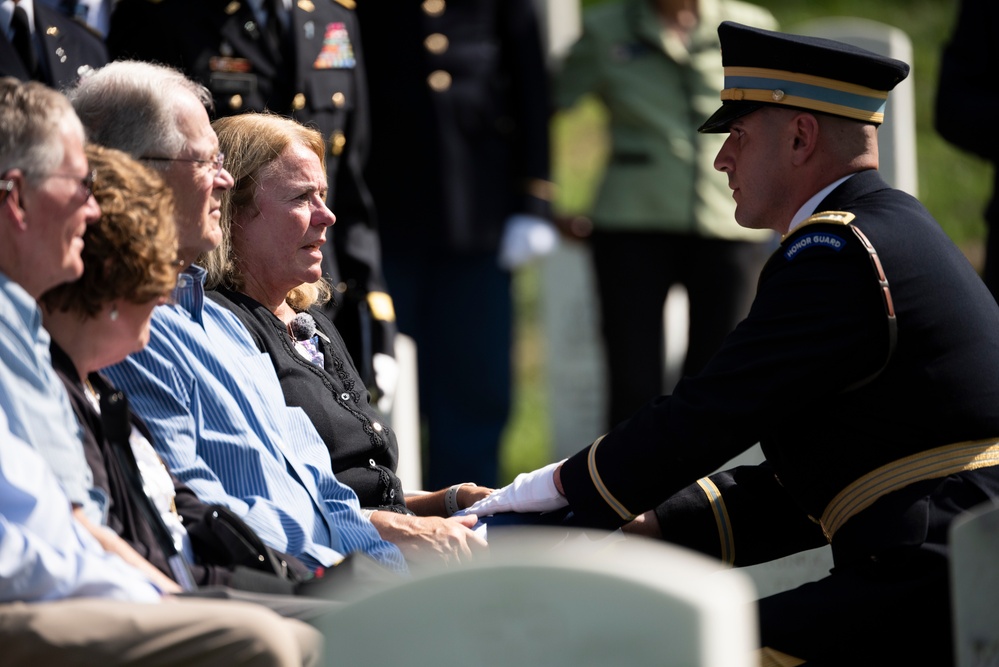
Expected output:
{"points": [[131, 252]]}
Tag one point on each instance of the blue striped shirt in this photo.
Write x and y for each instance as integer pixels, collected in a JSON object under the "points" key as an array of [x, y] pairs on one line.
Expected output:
{"points": [[219, 420], [35, 401]]}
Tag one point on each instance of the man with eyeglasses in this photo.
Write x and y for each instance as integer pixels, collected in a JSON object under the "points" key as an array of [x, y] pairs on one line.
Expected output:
{"points": [[53, 572], [45, 207], [213, 403]]}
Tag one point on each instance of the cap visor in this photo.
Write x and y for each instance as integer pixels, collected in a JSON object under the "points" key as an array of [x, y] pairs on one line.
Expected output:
{"points": [[728, 112]]}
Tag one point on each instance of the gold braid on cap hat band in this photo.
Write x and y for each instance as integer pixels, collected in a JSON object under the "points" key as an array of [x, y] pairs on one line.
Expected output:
{"points": [[805, 91]]}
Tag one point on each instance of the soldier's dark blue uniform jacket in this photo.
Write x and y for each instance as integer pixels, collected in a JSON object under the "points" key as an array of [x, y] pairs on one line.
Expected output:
{"points": [[316, 76], [68, 50], [866, 369], [802, 375]]}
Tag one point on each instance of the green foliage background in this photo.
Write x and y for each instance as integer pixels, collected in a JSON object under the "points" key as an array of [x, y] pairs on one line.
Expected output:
{"points": [[952, 184]]}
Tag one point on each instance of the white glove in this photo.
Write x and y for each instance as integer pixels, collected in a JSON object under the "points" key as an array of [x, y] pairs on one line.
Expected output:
{"points": [[529, 492], [525, 237], [386, 378]]}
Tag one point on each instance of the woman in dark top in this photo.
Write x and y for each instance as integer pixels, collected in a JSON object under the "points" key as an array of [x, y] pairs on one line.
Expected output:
{"points": [[268, 271]]}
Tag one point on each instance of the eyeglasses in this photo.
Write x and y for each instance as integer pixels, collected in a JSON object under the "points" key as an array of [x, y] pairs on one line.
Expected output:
{"points": [[87, 182], [216, 161]]}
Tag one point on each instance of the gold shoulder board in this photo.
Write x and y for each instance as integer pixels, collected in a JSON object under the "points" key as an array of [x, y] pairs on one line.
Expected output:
{"points": [[349, 4], [829, 217]]}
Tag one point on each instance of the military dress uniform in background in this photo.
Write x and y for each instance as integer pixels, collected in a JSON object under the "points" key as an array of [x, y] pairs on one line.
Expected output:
{"points": [[459, 111], [871, 343], [94, 13], [967, 69], [62, 49], [308, 65]]}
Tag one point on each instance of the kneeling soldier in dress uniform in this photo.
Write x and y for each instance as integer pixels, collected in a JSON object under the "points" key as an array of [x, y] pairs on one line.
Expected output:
{"points": [[866, 369]]}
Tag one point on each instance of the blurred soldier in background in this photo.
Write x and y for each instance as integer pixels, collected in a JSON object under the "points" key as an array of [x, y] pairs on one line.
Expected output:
{"points": [[38, 43], [459, 169]]}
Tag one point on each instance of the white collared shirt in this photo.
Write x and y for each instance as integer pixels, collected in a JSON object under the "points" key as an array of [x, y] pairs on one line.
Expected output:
{"points": [[7, 15], [808, 208], [261, 12]]}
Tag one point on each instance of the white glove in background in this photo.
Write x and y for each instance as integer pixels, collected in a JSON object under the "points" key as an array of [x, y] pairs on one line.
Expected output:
{"points": [[387, 378], [525, 237], [530, 492]]}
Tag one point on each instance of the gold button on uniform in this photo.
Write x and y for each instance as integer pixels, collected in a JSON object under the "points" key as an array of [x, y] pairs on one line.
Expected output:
{"points": [[337, 142], [439, 80], [436, 43], [236, 102], [232, 8], [433, 7], [298, 102], [339, 99]]}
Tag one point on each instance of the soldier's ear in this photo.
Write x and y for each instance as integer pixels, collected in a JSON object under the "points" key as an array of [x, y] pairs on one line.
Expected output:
{"points": [[805, 136]]}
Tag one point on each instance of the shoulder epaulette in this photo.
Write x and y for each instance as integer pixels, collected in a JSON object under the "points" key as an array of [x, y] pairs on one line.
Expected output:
{"points": [[829, 217], [825, 217], [349, 4]]}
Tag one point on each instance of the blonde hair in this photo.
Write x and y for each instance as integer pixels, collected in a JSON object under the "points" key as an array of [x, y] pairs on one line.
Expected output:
{"points": [[250, 142]]}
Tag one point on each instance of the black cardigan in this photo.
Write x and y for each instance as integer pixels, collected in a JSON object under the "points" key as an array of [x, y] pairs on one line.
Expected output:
{"points": [[363, 449]]}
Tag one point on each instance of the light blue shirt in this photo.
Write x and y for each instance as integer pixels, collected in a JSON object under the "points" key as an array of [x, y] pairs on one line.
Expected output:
{"points": [[35, 401], [45, 554], [219, 419]]}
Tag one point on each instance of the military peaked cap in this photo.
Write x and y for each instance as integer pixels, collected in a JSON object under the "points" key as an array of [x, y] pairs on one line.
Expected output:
{"points": [[772, 68]]}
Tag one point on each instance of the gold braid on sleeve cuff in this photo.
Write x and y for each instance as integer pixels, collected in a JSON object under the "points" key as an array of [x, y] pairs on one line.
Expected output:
{"points": [[381, 306], [726, 538], [598, 483]]}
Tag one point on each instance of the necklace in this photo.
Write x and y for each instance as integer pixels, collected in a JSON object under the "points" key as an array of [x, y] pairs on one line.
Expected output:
{"points": [[92, 394]]}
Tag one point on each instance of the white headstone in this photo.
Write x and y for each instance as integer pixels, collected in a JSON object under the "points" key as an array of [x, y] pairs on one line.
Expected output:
{"points": [[974, 570]]}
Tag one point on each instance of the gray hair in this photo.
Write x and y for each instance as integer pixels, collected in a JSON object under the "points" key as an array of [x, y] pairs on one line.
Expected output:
{"points": [[130, 105], [33, 118]]}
